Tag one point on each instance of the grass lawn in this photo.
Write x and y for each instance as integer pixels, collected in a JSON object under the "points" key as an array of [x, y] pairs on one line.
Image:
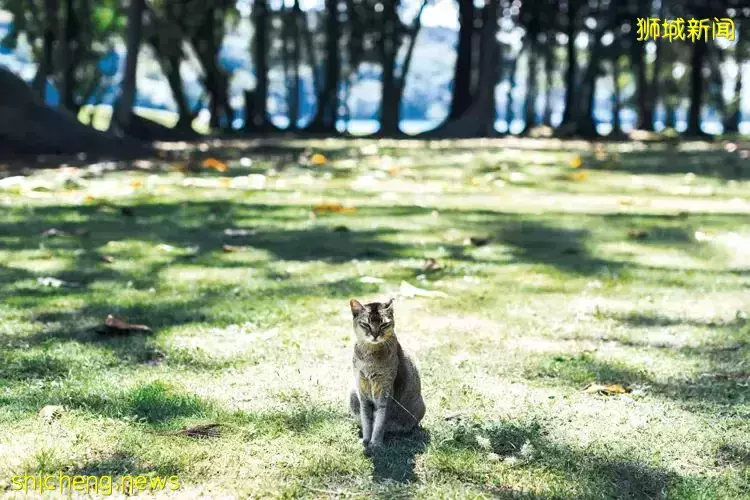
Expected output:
{"points": [[561, 265]]}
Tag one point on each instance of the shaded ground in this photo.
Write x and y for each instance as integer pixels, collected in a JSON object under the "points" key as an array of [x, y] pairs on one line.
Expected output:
{"points": [[563, 265]]}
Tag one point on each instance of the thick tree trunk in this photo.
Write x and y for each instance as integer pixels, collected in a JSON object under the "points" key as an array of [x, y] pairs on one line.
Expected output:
{"points": [[171, 68], [68, 39], [641, 84], [572, 68], [294, 110], [45, 64], [461, 94], [326, 112], [696, 87], [732, 121], [655, 85], [207, 46], [31, 127], [479, 119], [124, 105], [389, 105], [260, 58]]}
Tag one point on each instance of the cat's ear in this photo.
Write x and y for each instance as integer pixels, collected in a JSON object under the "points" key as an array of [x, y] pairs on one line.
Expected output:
{"points": [[389, 305], [356, 306]]}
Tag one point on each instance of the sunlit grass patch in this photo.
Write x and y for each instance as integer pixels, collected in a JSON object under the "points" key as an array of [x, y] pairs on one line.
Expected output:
{"points": [[516, 288]]}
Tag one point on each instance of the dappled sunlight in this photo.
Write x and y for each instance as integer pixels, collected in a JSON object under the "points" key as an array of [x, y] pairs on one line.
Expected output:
{"points": [[572, 338]]}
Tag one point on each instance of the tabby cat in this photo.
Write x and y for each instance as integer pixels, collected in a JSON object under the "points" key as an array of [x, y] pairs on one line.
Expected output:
{"points": [[387, 394]]}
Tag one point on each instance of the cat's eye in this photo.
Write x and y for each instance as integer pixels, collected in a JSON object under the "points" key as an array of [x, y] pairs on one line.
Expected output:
{"points": [[365, 326]]}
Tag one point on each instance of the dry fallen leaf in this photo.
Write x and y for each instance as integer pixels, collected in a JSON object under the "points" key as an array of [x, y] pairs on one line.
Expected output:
{"points": [[431, 265], [607, 390], [318, 159], [637, 234], [233, 248], [577, 176], [51, 412], [215, 164], [335, 207], [113, 324], [108, 259], [201, 431], [478, 241]]}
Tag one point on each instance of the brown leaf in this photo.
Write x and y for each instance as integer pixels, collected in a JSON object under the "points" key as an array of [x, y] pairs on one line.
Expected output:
{"points": [[202, 431], [233, 248], [478, 241], [607, 390], [323, 208], [108, 259], [637, 234], [215, 164], [51, 412], [115, 325], [431, 265]]}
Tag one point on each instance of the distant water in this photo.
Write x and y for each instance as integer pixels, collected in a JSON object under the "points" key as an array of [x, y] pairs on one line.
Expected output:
{"points": [[413, 127]]}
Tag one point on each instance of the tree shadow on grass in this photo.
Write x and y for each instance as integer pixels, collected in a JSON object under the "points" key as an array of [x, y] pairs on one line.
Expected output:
{"points": [[709, 162], [463, 453], [395, 462], [565, 249]]}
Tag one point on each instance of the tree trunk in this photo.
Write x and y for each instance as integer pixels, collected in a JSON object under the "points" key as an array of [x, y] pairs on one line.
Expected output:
{"points": [[531, 85], [696, 87], [616, 125], [461, 94], [510, 113], [572, 68], [260, 58], [549, 65], [389, 106], [295, 104], [68, 39], [45, 65], [124, 105], [207, 45], [670, 120], [732, 121], [655, 85], [326, 112], [479, 119]]}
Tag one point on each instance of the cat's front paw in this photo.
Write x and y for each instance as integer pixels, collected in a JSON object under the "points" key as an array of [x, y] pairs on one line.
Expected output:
{"points": [[372, 449], [365, 442]]}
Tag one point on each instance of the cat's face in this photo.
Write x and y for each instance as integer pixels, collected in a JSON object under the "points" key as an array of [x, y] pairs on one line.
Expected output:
{"points": [[373, 322]]}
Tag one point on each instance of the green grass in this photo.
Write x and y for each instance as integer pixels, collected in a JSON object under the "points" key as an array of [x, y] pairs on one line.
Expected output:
{"points": [[635, 273]]}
